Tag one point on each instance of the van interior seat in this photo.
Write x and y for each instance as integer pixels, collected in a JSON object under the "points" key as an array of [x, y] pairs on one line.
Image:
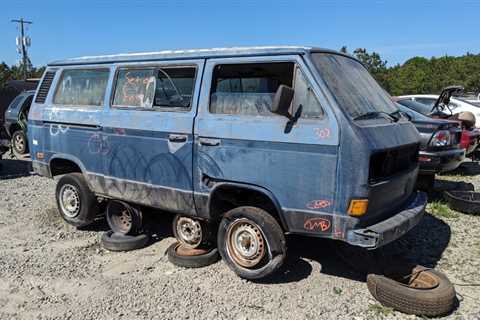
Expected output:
{"points": [[245, 103]]}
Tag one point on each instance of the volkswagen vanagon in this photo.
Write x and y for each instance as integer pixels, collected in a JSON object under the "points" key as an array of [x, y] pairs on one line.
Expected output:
{"points": [[256, 142]]}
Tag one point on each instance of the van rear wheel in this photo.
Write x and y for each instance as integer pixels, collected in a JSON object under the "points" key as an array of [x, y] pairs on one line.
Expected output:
{"points": [[251, 242], [77, 205]]}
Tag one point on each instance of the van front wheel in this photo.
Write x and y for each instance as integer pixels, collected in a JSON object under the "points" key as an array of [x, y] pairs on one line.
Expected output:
{"points": [[251, 242], [77, 205]]}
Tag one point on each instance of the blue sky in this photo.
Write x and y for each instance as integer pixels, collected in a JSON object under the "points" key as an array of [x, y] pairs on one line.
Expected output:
{"points": [[396, 29]]}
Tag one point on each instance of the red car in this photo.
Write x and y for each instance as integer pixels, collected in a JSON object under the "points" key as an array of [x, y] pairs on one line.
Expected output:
{"points": [[470, 140]]}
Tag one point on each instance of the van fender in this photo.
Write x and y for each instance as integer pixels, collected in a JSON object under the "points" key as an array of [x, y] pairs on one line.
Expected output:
{"points": [[252, 187], [69, 157]]}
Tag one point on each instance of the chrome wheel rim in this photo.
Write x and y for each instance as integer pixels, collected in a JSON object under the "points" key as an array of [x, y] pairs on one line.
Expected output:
{"points": [[245, 243], [122, 221], [69, 200], [189, 231], [19, 142]]}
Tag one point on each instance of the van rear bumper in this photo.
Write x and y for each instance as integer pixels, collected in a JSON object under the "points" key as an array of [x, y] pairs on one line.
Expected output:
{"points": [[41, 168], [388, 230]]}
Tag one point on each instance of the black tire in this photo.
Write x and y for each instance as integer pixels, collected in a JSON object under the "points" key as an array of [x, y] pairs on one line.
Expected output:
{"points": [[463, 201], [88, 207], [19, 142], [191, 261], [121, 242], [425, 182], [274, 242], [433, 301]]}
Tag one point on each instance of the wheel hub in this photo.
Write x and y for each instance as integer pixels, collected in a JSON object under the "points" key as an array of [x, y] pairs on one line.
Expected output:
{"points": [[245, 243], [189, 231], [19, 142], [69, 200]]}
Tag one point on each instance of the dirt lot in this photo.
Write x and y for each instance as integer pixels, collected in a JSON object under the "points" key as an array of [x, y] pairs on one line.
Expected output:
{"points": [[49, 270]]}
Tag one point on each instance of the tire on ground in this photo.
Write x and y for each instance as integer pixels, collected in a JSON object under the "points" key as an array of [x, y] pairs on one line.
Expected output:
{"points": [[121, 242], [274, 240], [196, 259], [433, 301], [88, 208]]}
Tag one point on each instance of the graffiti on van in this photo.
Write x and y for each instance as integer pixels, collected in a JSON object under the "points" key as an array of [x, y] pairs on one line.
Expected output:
{"points": [[319, 224]]}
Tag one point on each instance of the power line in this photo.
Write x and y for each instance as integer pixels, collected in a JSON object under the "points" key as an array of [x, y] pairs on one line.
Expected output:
{"points": [[22, 43]]}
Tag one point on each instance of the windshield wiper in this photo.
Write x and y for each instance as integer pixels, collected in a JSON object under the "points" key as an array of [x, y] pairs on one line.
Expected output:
{"points": [[375, 114], [396, 114]]}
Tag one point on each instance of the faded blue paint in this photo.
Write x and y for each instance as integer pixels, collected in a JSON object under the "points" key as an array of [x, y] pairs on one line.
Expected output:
{"points": [[310, 173]]}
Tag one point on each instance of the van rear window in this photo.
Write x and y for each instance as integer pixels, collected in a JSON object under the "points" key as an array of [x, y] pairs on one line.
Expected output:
{"points": [[82, 87]]}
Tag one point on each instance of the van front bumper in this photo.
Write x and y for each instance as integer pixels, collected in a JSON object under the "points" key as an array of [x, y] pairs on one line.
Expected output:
{"points": [[388, 230]]}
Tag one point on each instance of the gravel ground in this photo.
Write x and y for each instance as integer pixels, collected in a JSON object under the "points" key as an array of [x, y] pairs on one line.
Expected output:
{"points": [[49, 270]]}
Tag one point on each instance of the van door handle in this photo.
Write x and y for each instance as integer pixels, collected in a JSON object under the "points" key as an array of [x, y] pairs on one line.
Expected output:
{"points": [[209, 142], [177, 137]]}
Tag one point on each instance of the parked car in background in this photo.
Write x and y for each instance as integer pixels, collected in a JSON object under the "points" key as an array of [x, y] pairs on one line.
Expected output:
{"points": [[440, 148], [255, 141], [455, 105], [16, 118], [470, 138]]}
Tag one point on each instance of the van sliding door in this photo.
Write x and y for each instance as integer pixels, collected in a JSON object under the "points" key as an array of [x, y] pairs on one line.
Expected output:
{"points": [[148, 134]]}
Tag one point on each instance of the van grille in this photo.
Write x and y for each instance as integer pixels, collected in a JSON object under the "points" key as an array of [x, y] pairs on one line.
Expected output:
{"points": [[44, 87], [387, 163]]}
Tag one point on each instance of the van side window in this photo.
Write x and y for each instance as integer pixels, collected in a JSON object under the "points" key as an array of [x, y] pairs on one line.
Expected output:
{"points": [[81, 87], [305, 96], [248, 89], [153, 88]]}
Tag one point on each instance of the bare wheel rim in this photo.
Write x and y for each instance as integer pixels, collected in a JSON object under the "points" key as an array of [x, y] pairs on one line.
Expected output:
{"points": [[19, 142], [189, 232], [122, 220], [245, 243], [69, 200]]}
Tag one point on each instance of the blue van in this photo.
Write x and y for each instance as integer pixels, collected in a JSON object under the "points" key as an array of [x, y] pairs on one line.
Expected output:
{"points": [[248, 144]]}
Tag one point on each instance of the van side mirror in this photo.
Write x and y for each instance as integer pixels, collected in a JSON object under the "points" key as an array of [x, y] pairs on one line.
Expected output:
{"points": [[282, 100]]}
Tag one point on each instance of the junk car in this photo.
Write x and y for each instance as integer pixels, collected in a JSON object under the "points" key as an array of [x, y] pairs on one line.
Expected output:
{"points": [[441, 147], [247, 144], [16, 117]]}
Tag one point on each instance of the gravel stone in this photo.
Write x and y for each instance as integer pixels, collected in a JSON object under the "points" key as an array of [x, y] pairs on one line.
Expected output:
{"points": [[50, 270]]}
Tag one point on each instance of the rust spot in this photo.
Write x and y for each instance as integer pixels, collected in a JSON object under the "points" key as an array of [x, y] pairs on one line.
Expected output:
{"points": [[319, 224]]}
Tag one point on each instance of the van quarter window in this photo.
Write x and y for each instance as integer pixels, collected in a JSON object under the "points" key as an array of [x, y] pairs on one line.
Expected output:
{"points": [[248, 89], [151, 88], [82, 87]]}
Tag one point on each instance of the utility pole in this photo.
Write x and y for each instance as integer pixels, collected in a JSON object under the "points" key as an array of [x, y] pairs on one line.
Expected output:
{"points": [[22, 43]]}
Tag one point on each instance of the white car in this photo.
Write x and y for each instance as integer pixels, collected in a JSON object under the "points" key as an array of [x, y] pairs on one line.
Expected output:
{"points": [[456, 105]]}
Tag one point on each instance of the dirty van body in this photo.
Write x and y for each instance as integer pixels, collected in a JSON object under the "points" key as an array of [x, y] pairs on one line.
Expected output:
{"points": [[209, 134]]}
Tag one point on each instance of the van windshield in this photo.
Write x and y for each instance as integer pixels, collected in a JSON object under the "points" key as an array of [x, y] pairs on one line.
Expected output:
{"points": [[354, 89]]}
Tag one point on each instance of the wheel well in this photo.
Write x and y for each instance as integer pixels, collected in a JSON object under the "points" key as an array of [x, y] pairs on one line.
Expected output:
{"points": [[14, 127], [227, 197], [61, 166]]}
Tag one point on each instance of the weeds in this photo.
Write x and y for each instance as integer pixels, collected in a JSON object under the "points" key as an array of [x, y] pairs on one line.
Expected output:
{"points": [[378, 311], [337, 290], [440, 209]]}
